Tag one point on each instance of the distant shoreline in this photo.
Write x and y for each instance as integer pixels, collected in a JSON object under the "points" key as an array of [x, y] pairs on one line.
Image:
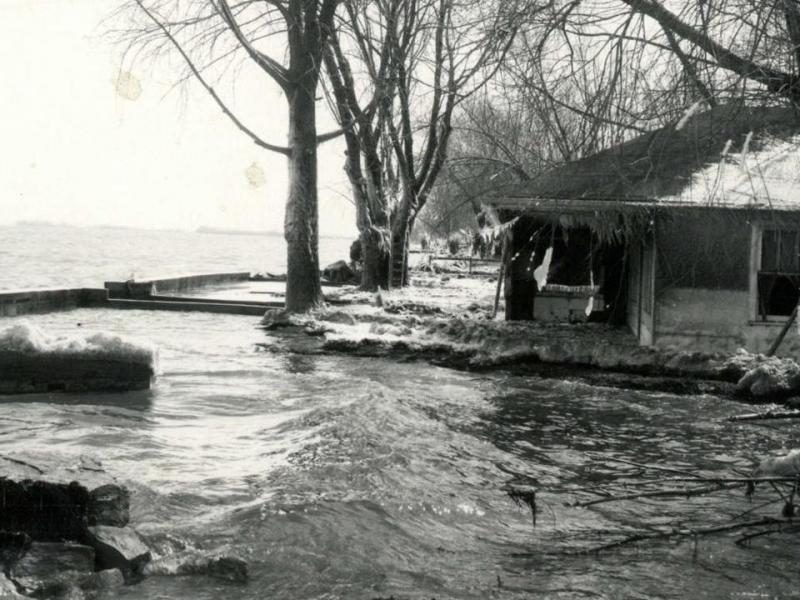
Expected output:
{"points": [[202, 230], [223, 231]]}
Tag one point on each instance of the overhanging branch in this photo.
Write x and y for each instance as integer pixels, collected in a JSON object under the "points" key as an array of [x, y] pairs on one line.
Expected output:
{"points": [[196, 72]]}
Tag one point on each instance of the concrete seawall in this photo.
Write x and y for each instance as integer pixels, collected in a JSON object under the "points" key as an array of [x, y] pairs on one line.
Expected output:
{"points": [[141, 295], [155, 286], [23, 302]]}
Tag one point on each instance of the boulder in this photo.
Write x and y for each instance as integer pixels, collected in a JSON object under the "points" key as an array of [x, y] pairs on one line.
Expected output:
{"points": [[228, 568], [276, 318], [779, 466], [119, 548], [338, 272], [109, 504], [45, 510], [773, 378], [13, 546], [53, 498], [108, 579], [46, 561], [69, 584]]}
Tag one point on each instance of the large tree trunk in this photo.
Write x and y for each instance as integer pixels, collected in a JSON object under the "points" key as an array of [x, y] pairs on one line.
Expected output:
{"points": [[301, 227], [377, 262]]}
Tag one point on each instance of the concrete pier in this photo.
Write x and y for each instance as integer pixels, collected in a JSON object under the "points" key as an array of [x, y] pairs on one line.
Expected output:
{"points": [[22, 302], [151, 287]]}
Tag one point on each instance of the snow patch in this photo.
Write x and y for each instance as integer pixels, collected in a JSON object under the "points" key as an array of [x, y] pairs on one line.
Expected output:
{"points": [[26, 338]]}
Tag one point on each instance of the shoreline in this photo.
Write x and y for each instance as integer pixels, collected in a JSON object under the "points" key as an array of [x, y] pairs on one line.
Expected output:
{"points": [[445, 320]]}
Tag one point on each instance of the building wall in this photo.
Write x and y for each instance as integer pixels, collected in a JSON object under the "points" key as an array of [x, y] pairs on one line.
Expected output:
{"points": [[705, 286], [702, 319]]}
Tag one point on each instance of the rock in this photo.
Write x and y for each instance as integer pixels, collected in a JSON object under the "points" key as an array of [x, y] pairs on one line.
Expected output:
{"points": [[44, 510], [72, 584], [108, 579], [119, 548], [51, 497], [228, 568], [793, 402], [773, 378], [276, 318], [355, 251], [13, 546], [780, 466], [338, 272], [44, 560], [109, 505], [192, 562]]}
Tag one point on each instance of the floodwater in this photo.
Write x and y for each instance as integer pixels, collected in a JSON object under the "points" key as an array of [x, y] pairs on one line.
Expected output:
{"points": [[341, 477]]}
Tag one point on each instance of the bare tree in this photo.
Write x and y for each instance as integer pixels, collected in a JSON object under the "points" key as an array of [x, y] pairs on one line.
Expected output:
{"points": [[756, 40], [419, 59], [634, 65], [205, 34]]}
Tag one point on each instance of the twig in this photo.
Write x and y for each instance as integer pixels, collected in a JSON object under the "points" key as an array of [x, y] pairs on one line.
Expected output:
{"points": [[755, 508], [770, 414], [747, 537], [21, 462], [686, 532], [712, 480], [651, 467], [686, 493]]}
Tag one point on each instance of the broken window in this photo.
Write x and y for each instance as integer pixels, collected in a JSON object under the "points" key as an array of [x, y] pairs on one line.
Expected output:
{"points": [[779, 276]]}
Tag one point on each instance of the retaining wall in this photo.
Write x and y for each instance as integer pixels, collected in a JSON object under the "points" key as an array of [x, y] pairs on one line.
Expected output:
{"points": [[23, 302]]}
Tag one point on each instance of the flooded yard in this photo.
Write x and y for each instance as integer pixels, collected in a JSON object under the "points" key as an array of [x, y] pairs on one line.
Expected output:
{"points": [[347, 477]]}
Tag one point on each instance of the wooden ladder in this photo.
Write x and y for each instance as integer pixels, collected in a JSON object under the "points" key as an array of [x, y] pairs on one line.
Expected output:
{"points": [[398, 267]]}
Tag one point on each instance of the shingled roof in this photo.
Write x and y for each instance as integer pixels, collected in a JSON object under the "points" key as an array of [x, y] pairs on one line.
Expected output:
{"points": [[731, 156]]}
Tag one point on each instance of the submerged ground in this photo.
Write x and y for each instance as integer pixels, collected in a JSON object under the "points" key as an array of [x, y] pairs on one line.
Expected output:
{"points": [[347, 477]]}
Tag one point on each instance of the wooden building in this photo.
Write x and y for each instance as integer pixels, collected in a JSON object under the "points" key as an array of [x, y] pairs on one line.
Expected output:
{"points": [[689, 235]]}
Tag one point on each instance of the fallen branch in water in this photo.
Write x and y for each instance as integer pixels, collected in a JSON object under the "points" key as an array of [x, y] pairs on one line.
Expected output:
{"points": [[745, 539], [705, 479], [649, 466], [680, 493], [22, 462], [684, 532], [764, 416]]}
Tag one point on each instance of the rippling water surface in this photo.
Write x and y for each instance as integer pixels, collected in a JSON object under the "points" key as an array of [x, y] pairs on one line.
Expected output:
{"points": [[339, 477]]}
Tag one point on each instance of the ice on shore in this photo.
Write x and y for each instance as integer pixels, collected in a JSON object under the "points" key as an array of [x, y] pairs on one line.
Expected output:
{"points": [[26, 338]]}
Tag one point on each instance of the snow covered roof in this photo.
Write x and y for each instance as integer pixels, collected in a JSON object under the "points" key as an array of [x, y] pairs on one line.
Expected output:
{"points": [[728, 157]]}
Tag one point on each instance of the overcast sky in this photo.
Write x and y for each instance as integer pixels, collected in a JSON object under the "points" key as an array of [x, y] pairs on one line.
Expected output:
{"points": [[76, 150]]}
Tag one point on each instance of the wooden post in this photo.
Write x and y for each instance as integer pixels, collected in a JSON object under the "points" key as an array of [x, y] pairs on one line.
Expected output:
{"points": [[500, 276], [774, 348]]}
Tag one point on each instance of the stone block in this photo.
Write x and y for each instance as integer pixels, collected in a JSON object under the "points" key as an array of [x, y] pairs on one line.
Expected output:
{"points": [[119, 548]]}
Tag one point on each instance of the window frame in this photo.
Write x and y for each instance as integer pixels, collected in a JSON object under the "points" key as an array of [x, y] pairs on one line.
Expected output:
{"points": [[756, 272]]}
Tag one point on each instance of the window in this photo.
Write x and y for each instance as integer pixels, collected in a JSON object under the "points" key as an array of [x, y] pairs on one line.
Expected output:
{"points": [[779, 276]]}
